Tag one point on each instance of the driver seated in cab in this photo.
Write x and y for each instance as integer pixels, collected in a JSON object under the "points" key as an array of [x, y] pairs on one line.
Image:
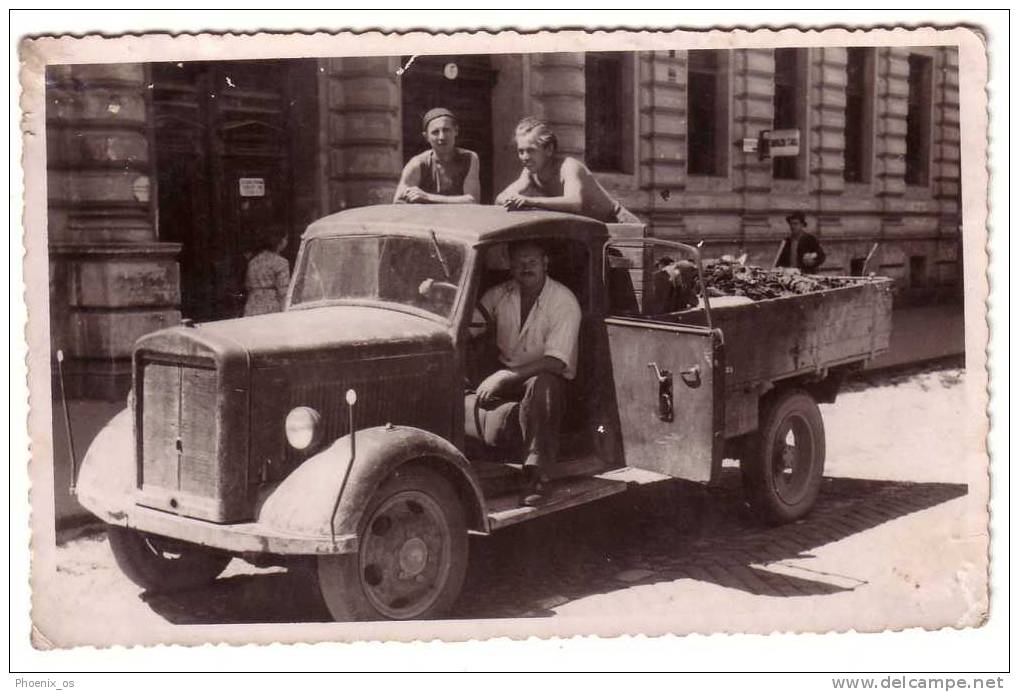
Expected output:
{"points": [[536, 323]]}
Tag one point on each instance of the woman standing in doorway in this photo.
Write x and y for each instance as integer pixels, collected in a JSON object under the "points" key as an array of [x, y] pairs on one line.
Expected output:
{"points": [[445, 174], [268, 275]]}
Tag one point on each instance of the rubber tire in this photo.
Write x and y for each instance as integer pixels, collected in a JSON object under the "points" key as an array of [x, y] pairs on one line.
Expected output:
{"points": [[339, 576], [138, 556], [756, 465]]}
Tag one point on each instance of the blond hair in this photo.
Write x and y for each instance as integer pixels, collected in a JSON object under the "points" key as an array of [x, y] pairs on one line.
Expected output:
{"points": [[543, 133]]}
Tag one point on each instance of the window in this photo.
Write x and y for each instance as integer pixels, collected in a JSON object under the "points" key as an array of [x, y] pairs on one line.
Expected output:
{"points": [[918, 121], [707, 97], [608, 98], [859, 130], [790, 87]]}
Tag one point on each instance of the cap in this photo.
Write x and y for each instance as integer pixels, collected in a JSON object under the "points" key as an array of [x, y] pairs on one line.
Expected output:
{"points": [[797, 215], [436, 113]]}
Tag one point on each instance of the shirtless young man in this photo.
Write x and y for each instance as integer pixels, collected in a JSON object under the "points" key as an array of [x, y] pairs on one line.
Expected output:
{"points": [[555, 182], [445, 173]]}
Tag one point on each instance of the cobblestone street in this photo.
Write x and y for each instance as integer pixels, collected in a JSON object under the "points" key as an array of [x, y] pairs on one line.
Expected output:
{"points": [[894, 541]]}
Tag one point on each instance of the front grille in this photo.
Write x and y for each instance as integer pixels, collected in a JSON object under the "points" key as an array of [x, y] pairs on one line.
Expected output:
{"points": [[180, 456]]}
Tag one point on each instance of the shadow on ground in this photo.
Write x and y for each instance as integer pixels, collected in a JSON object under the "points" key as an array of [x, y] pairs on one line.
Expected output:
{"points": [[661, 532]]}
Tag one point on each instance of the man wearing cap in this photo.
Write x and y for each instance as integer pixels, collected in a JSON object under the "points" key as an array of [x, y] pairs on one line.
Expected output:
{"points": [[801, 249], [552, 181], [444, 174], [536, 324]]}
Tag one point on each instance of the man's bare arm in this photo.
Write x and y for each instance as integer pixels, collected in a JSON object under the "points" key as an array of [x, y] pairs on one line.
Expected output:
{"points": [[575, 178], [410, 177], [514, 188]]}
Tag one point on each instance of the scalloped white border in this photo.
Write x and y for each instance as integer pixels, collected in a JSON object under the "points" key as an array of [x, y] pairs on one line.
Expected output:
{"points": [[974, 117]]}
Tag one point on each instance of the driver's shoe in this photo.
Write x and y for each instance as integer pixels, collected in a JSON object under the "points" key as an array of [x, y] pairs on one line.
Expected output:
{"points": [[533, 492]]}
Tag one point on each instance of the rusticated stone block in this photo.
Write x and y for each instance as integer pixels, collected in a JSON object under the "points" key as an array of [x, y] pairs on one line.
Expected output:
{"points": [[365, 160], [121, 72], [360, 193], [662, 98], [97, 103], [558, 80], [112, 334], [83, 148], [360, 126], [134, 282], [99, 186], [363, 91]]}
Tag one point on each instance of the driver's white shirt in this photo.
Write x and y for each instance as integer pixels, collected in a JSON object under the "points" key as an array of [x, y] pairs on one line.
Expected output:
{"points": [[551, 328]]}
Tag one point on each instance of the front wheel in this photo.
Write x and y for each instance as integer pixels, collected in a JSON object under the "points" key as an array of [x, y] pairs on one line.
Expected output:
{"points": [[784, 464], [411, 558], [157, 563]]}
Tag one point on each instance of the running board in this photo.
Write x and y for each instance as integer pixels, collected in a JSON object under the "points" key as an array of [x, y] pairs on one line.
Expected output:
{"points": [[506, 510]]}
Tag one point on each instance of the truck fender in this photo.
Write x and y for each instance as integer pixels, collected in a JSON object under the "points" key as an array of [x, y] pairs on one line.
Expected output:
{"points": [[303, 502], [107, 475]]}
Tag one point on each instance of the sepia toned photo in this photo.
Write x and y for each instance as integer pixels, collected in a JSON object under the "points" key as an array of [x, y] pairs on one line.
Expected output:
{"points": [[344, 337]]}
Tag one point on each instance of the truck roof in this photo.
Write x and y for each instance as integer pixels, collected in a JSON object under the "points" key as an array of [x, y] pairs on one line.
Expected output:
{"points": [[472, 223]]}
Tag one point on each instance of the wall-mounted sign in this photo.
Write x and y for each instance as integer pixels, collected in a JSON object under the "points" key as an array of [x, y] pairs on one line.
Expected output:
{"points": [[782, 142], [749, 145], [252, 187]]}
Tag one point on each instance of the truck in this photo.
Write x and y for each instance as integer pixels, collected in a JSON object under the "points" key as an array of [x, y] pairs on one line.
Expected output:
{"points": [[332, 434]]}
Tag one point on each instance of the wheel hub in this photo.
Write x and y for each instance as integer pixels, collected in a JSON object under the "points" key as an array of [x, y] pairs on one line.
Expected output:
{"points": [[413, 557]]}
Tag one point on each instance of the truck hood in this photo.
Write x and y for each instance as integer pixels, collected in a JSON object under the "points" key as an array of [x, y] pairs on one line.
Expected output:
{"points": [[316, 332]]}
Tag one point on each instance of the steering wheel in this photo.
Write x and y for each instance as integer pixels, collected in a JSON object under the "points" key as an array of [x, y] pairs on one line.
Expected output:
{"points": [[426, 286]]}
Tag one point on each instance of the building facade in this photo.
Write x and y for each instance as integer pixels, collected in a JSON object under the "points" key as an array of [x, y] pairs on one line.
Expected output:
{"points": [[161, 175]]}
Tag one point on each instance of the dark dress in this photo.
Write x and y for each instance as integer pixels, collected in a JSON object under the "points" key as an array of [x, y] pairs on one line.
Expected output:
{"points": [[808, 243]]}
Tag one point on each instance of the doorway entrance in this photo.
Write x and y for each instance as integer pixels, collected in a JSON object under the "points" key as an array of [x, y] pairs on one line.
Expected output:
{"points": [[461, 83], [223, 148]]}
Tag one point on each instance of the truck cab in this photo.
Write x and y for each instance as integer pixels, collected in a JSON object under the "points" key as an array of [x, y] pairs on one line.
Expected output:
{"points": [[335, 430]]}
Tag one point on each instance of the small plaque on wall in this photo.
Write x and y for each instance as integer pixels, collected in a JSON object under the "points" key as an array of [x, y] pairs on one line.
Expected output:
{"points": [[252, 187]]}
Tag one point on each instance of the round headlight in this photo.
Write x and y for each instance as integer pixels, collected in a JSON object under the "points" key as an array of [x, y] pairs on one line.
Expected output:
{"points": [[303, 427]]}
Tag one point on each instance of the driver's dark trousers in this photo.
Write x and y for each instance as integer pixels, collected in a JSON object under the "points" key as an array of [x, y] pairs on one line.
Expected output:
{"points": [[526, 420]]}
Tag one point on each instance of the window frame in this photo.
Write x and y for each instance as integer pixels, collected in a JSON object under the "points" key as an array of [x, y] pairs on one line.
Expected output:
{"points": [[926, 136], [800, 86], [626, 108], [722, 72], [866, 141]]}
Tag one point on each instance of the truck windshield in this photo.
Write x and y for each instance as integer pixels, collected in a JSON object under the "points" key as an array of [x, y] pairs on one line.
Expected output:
{"points": [[421, 272]]}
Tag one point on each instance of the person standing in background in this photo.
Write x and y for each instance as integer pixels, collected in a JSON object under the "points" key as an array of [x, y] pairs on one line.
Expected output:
{"points": [[268, 275], [801, 249]]}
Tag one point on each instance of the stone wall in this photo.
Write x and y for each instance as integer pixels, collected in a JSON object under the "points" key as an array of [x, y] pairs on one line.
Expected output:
{"points": [[110, 279], [745, 209], [363, 131]]}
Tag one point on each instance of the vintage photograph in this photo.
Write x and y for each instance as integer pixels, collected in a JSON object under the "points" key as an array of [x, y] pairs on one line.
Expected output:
{"points": [[344, 337]]}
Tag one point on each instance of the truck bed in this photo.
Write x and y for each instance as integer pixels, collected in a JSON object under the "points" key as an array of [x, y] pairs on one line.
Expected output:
{"points": [[770, 340]]}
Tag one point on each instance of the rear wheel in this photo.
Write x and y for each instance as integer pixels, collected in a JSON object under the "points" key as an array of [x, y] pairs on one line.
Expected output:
{"points": [[412, 554], [157, 563], [782, 469]]}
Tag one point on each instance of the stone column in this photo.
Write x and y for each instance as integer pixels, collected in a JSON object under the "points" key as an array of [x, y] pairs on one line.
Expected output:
{"points": [[364, 133], [111, 280], [557, 97], [753, 74], [662, 152]]}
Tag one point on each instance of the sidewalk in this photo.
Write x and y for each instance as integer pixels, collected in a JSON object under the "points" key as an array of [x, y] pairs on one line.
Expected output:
{"points": [[923, 333]]}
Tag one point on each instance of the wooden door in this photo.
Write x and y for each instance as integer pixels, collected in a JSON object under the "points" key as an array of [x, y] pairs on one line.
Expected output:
{"points": [[461, 83], [223, 148]]}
